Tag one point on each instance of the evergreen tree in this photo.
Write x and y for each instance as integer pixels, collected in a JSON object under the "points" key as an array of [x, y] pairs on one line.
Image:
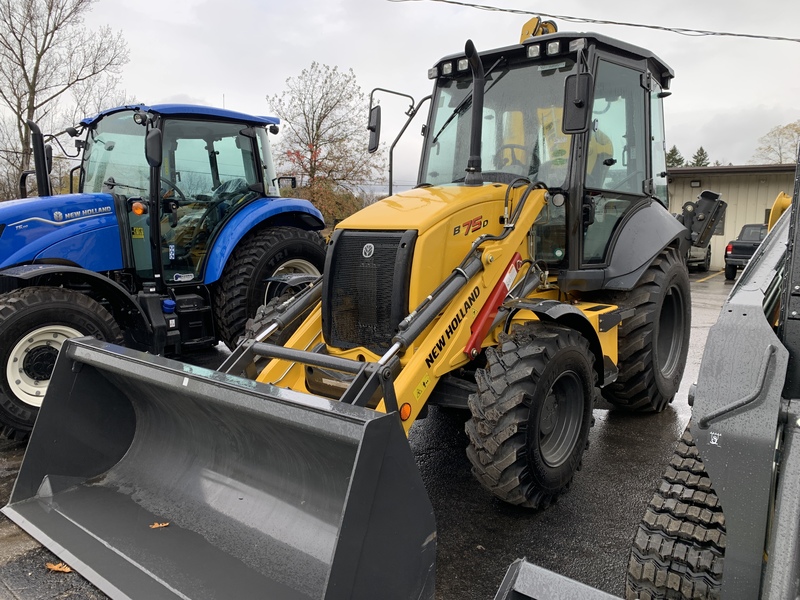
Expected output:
{"points": [[700, 158], [674, 158]]}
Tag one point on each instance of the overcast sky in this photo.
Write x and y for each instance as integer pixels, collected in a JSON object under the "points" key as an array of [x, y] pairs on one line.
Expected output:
{"points": [[727, 92]]}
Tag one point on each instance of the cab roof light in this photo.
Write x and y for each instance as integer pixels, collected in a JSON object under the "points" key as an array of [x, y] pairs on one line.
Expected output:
{"points": [[576, 45], [447, 68], [463, 64], [534, 51], [553, 47], [433, 72]]}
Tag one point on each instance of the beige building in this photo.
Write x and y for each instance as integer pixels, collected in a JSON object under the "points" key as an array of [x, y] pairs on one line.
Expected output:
{"points": [[749, 191]]}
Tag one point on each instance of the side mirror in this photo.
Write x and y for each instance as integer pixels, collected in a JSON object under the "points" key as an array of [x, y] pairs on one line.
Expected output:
{"points": [[577, 104], [152, 148], [291, 181], [48, 157], [374, 128]]}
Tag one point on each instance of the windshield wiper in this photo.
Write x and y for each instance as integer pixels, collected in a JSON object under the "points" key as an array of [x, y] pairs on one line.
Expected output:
{"points": [[110, 183], [466, 102]]}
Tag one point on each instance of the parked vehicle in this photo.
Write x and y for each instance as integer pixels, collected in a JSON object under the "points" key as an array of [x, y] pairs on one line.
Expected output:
{"points": [[739, 251], [169, 244], [699, 258]]}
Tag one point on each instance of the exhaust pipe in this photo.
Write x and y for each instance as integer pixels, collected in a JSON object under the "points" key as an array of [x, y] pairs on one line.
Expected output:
{"points": [[473, 176]]}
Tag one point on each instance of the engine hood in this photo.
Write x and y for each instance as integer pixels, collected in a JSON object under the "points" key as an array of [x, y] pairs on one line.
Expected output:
{"points": [[29, 227], [422, 208]]}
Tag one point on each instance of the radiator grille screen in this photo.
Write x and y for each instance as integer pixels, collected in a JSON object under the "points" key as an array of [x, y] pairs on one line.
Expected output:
{"points": [[366, 288]]}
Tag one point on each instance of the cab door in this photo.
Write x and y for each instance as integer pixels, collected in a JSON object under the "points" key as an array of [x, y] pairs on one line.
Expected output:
{"points": [[616, 165]]}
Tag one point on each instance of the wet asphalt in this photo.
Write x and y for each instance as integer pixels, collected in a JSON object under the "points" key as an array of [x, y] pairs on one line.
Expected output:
{"points": [[585, 535]]}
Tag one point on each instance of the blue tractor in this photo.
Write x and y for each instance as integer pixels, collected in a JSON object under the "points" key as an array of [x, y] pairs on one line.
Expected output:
{"points": [[176, 235]]}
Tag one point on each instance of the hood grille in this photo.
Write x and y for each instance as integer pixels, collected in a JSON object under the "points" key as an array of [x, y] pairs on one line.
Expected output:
{"points": [[365, 289]]}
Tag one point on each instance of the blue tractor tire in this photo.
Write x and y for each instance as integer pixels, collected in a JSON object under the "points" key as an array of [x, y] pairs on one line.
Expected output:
{"points": [[34, 324], [263, 253]]}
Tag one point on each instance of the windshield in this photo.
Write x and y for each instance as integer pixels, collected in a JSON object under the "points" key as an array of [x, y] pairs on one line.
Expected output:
{"points": [[753, 233], [115, 150], [521, 126]]}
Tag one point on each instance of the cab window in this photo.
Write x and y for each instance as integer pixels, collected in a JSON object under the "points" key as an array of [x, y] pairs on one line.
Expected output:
{"points": [[616, 161]]}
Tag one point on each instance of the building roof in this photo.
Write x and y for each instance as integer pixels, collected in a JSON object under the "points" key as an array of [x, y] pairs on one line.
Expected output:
{"points": [[731, 170]]}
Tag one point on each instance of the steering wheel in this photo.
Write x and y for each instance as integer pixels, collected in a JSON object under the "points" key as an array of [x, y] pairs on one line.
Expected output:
{"points": [[514, 161], [175, 188]]}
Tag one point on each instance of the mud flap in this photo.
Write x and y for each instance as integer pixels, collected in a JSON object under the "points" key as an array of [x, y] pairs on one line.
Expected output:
{"points": [[526, 581], [267, 493]]}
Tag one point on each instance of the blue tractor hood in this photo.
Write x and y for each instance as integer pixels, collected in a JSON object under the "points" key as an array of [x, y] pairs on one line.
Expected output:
{"points": [[76, 229]]}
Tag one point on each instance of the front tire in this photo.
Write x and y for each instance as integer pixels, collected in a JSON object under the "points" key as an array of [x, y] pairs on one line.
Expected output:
{"points": [[34, 324], [532, 413], [654, 342], [260, 255], [679, 547]]}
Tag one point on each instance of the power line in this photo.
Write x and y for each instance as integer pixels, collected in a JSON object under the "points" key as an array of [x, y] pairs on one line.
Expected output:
{"points": [[678, 30]]}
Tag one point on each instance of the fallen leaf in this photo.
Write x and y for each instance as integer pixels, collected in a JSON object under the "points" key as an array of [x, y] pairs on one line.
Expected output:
{"points": [[60, 567], [159, 525]]}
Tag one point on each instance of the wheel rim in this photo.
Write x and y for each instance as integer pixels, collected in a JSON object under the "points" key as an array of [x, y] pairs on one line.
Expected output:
{"points": [[31, 362], [560, 419], [293, 266], [670, 332]]}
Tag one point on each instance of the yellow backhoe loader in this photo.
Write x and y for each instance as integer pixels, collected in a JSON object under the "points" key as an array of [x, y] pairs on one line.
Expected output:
{"points": [[534, 267]]}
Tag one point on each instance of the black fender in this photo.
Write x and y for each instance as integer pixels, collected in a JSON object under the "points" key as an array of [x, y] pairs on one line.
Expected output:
{"points": [[553, 311], [641, 237], [123, 305]]}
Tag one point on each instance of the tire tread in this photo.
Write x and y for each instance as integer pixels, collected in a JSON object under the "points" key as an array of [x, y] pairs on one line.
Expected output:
{"points": [[679, 547]]}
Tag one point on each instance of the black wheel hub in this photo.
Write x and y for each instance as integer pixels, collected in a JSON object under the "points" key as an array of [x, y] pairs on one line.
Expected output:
{"points": [[670, 332], [39, 362], [560, 419]]}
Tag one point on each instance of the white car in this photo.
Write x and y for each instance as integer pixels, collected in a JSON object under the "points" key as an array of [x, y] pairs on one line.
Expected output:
{"points": [[699, 259]]}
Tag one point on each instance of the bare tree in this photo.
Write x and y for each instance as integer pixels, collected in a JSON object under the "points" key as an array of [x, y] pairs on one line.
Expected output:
{"points": [[325, 138], [779, 145], [45, 52]]}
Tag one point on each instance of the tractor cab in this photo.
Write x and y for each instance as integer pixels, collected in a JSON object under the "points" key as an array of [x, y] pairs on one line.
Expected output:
{"points": [[578, 114], [208, 170]]}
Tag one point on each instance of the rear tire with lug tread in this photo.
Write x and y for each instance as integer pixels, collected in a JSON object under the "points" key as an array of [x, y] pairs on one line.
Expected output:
{"points": [[654, 342], [34, 324], [679, 547], [532, 413]]}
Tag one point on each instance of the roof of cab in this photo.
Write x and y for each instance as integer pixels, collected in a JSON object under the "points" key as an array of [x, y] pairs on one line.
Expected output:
{"points": [[186, 110]]}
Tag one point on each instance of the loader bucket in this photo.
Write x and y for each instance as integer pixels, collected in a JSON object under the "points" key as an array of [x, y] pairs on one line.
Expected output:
{"points": [[267, 493], [526, 581]]}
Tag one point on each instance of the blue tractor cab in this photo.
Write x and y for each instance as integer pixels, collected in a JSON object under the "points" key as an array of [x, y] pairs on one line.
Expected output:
{"points": [[176, 234]]}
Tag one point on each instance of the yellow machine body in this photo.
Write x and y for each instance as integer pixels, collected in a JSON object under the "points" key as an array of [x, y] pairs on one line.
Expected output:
{"points": [[448, 219]]}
